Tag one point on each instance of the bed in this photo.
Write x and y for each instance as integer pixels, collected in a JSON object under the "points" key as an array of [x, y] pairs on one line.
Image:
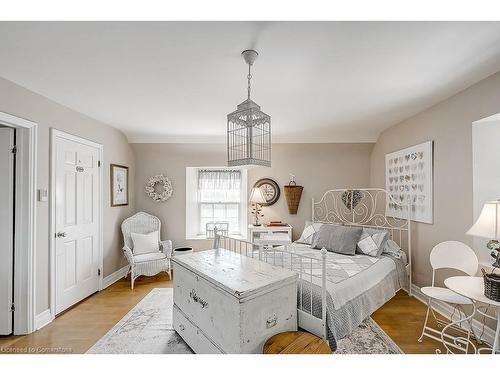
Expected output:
{"points": [[337, 292]]}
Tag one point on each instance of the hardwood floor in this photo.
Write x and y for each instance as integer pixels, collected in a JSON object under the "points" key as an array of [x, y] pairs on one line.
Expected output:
{"points": [[402, 318], [80, 327], [77, 329]]}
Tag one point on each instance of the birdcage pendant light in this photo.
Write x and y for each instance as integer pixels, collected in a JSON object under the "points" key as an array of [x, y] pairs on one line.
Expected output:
{"points": [[248, 129]]}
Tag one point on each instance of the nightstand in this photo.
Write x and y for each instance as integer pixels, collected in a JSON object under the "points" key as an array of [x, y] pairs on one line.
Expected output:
{"points": [[255, 232]]}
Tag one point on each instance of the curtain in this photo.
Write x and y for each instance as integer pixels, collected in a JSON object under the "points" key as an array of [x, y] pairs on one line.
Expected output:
{"points": [[219, 185]]}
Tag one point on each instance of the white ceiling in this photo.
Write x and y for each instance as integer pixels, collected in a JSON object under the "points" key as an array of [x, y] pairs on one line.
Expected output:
{"points": [[319, 81]]}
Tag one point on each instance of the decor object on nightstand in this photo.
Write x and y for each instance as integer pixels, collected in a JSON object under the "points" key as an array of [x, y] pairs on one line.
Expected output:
{"points": [[270, 189], [159, 188], [293, 192], [408, 178], [248, 129], [119, 185], [156, 257], [487, 226], [257, 199]]}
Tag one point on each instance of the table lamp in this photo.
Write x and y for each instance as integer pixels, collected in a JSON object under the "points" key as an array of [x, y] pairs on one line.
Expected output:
{"points": [[487, 225], [257, 198]]}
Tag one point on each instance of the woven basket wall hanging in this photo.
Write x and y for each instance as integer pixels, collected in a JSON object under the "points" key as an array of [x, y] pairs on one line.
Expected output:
{"points": [[293, 192]]}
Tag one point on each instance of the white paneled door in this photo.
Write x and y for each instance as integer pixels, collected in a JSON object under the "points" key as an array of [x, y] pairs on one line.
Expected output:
{"points": [[6, 228], [77, 200]]}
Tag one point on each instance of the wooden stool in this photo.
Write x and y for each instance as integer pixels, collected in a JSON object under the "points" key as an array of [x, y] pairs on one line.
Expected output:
{"points": [[296, 343]]}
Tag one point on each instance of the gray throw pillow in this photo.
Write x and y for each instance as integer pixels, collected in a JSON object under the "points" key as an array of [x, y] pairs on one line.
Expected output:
{"points": [[337, 239]]}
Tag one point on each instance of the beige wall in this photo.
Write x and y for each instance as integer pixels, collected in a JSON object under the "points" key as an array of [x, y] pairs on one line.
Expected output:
{"points": [[449, 125], [318, 167], [48, 114], [172, 160]]}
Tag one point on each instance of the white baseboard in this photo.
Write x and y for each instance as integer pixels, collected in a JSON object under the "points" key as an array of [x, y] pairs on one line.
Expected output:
{"points": [[446, 310], [114, 277], [42, 319]]}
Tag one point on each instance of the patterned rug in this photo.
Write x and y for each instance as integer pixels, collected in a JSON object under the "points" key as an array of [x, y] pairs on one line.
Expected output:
{"points": [[147, 329]]}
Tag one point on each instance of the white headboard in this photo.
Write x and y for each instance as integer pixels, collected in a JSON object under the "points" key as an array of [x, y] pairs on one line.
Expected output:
{"points": [[366, 207]]}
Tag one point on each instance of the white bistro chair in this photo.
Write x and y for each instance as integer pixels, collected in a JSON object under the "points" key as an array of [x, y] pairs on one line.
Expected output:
{"points": [[453, 255], [148, 264]]}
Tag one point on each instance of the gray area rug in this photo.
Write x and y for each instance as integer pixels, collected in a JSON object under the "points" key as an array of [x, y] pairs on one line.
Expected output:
{"points": [[147, 329]]}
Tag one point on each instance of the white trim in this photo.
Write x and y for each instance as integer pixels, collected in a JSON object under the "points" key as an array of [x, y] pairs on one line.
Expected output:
{"points": [[14, 121], [25, 245], [54, 133], [71, 137], [114, 277], [42, 319], [446, 310]]}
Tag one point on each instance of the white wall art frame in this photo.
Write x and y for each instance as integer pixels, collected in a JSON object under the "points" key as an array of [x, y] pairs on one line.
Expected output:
{"points": [[408, 178]]}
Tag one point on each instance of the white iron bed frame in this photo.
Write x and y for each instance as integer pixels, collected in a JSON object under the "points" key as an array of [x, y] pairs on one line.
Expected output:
{"points": [[334, 207]]}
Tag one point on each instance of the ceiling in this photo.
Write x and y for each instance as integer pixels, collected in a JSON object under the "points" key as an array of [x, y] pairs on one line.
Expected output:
{"points": [[319, 81]]}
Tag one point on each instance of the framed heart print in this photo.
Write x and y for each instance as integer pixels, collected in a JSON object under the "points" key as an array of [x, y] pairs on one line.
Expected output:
{"points": [[270, 190], [409, 181]]}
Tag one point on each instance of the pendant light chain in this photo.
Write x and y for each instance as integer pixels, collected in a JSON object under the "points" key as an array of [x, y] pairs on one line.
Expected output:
{"points": [[249, 77]]}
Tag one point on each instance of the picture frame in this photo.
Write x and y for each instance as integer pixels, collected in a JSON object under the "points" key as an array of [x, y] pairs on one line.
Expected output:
{"points": [[118, 182], [409, 180]]}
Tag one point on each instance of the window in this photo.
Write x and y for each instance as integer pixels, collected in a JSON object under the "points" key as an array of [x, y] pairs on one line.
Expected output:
{"points": [[219, 198], [215, 195]]}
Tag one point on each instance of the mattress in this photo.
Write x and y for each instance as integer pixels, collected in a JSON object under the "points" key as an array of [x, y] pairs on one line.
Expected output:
{"points": [[356, 285]]}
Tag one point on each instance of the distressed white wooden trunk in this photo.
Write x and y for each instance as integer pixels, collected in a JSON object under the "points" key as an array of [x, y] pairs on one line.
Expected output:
{"points": [[225, 302]]}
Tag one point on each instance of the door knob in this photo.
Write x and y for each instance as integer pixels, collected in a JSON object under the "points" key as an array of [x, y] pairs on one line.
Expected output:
{"points": [[60, 234]]}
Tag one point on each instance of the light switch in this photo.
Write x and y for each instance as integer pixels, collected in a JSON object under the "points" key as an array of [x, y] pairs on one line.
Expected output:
{"points": [[42, 195]]}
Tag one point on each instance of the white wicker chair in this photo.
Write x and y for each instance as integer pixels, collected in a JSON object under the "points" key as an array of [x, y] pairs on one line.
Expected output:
{"points": [[145, 264]]}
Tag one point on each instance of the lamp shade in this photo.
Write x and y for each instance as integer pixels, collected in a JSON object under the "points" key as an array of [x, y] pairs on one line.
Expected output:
{"points": [[487, 224], [256, 196]]}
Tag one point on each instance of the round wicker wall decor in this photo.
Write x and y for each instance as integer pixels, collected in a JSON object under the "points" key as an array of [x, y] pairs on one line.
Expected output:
{"points": [[159, 188]]}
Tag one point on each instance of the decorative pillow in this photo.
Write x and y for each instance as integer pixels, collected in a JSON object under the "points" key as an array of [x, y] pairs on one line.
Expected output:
{"points": [[145, 243], [337, 238], [310, 229], [372, 242], [392, 248]]}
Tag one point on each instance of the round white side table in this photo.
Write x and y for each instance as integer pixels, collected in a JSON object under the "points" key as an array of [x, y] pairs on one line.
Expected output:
{"points": [[473, 287]]}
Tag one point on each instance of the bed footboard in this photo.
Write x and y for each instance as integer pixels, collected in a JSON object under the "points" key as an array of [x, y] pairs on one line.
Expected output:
{"points": [[311, 288]]}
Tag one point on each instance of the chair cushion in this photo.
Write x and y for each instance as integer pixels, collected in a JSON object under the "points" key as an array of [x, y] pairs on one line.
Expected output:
{"points": [[145, 243], [446, 295], [149, 257]]}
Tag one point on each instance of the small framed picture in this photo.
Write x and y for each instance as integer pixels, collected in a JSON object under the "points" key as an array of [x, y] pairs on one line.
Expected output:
{"points": [[119, 185]]}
